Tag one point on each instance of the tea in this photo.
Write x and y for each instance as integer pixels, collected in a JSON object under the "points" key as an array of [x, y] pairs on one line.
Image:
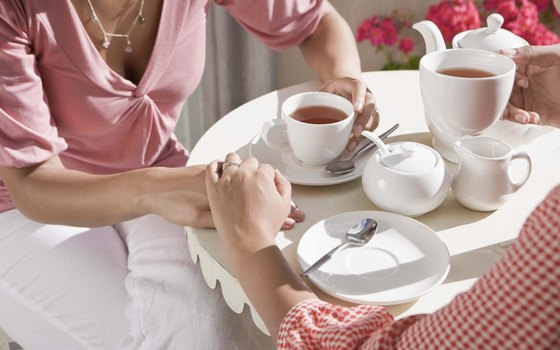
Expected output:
{"points": [[318, 115], [466, 73]]}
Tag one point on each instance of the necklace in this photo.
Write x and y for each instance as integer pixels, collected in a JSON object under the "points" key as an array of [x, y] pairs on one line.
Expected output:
{"points": [[106, 35]]}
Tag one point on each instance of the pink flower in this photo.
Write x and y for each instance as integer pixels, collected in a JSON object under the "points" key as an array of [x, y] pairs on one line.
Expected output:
{"points": [[406, 45], [541, 35], [508, 8], [542, 5], [522, 18], [378, 31], [375, 36], [454, 16], [389, 31]]}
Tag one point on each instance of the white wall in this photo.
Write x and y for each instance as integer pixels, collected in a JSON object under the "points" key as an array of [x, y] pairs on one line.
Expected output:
{"points": [[292, 67]]}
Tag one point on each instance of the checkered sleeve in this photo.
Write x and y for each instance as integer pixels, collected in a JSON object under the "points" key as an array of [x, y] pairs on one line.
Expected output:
{"points": [[315, 324], [516, 305]]}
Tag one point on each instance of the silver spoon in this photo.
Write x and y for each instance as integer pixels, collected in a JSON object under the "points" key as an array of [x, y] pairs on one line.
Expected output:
{"points": [[339, 167], [357, 235]]}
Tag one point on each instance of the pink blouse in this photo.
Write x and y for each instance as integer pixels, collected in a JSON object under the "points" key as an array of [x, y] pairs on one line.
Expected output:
{"points": [[514, 306], [59, 97]]}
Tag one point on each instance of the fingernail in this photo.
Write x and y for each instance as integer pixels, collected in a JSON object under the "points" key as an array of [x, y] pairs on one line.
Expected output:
{"points": [[352, 145], [523, 83], [536, 118], [359, 106], [507, 52], [298, 214], [521, 118], [288, 223]]}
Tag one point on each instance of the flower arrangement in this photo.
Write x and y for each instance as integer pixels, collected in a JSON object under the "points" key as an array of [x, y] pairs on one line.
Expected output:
{"points": [[532, 20], [388, 34]]}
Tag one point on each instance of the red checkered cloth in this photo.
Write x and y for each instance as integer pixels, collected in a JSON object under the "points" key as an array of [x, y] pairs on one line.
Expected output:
{"points": [[516, 305]]}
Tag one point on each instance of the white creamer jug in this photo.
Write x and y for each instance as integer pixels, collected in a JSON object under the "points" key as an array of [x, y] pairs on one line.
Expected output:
{"points": [[482, 181]]}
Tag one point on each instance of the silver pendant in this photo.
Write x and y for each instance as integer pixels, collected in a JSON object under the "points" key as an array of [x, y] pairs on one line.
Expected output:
{"points": [[106, 43], [141, 19], [128, 47]]}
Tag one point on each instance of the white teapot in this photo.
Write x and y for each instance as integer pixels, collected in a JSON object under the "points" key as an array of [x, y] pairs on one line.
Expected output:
{"points": [[407, 178], [492, 37]]}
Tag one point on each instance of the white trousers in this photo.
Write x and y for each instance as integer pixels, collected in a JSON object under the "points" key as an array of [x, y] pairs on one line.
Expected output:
{"points": [[131, 286]]}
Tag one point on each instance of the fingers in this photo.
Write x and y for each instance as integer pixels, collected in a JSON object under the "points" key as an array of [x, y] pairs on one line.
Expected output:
{"points": [[521, 79], [355, 90], [283, 186], [359, 91], [231, 163], [520, 116], [367, 120], [543, 56], [213, 171]]}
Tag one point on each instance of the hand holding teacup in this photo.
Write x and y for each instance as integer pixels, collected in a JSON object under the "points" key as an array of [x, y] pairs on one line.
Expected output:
{"points": [[356, 91], [536, 95]]}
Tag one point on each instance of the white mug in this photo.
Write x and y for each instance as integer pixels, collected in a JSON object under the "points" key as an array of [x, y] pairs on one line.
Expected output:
{"points": [[455, 107], [314, 142]]}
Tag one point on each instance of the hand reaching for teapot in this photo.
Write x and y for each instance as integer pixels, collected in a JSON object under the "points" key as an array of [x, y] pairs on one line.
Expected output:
{"points": [[355, 90], [535, 98]]}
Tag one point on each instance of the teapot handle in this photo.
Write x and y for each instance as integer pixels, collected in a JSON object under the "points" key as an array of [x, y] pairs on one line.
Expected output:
{"points": [[523, 156]]}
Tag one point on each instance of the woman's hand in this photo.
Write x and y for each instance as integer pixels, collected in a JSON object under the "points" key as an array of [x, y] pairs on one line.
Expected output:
{"points": [[249, 202], [535, 98], [356, 91]]}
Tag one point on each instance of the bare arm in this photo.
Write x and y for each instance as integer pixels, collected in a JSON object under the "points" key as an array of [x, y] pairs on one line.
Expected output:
{"points": [[52, 194], [332, 53], [249, 205], [331, 50]]}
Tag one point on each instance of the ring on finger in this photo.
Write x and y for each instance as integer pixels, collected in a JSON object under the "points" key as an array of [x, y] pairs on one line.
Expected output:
{"points": [[230, 163]]}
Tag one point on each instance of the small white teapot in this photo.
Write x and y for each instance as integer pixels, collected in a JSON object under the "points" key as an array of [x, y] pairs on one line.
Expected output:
{"points": [[491, 38], [407, 178], [482, 181]]}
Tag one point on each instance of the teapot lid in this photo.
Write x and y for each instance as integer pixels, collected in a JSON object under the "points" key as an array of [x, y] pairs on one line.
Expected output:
{"points": [[492, 37], [409, 157]]}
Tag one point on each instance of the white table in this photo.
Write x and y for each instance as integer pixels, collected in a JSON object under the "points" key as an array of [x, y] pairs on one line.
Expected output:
{"points": [[474, 239]]}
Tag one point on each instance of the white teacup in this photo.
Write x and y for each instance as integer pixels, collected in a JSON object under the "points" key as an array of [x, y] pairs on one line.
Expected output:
{"points": [[315, 126], [457, 106]]}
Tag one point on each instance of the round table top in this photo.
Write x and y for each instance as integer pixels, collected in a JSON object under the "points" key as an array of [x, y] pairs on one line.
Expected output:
{"points": [[474, 239]]}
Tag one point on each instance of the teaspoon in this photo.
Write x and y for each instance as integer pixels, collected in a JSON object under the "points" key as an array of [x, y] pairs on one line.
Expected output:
{"points": [[340, 167], [359, 235]]}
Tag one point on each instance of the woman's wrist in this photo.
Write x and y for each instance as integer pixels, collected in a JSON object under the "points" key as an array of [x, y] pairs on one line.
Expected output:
{"points": [[145, 187]]}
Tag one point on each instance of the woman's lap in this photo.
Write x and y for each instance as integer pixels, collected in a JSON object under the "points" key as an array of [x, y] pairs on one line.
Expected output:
{"points": [[64, 284], [132, 286]]}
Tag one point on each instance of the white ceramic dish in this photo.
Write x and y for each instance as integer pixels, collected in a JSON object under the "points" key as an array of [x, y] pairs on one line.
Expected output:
{"points": [[298, 173], [403, 261]]}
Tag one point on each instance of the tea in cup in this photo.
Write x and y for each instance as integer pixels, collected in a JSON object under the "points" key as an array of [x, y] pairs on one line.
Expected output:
{"points": [[315, 126], [464, 92]]}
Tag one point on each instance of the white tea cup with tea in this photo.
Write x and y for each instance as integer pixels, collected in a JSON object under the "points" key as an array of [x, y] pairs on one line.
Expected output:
{"points": [[464, 92], [315, 126]]}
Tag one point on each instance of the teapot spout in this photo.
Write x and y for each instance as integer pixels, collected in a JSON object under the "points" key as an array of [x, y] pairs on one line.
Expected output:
{"points": [[432, 36]]}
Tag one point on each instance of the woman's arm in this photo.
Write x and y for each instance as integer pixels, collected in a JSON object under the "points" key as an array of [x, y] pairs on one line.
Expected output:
{"points": [[249, 204], [50, 193], [331, 49], [332, 53]]}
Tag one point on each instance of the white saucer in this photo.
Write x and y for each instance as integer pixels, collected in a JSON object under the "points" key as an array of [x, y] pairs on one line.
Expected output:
{"points": [[403, 261], [298, 173]]}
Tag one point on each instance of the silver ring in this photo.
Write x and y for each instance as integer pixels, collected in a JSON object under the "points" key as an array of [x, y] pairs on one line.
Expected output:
{"points": [[230, 163]]}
